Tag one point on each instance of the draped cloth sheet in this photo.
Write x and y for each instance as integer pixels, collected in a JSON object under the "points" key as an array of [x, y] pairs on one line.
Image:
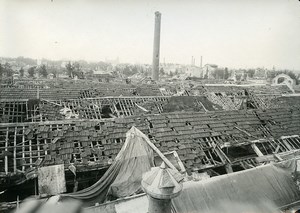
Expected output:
{"points": [[272, 183], [124, 176]]}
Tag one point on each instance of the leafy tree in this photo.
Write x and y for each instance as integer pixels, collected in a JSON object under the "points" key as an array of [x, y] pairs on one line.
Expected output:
{"points": [[28, 61], [238, 77], [78, 70], [43, 71], [8, 70], [251, 73], [53, 70], [70, 69], [91, 72], [74, 70], [134, 70], [31, 71], [77, 66], [219, 73], [130, 70], [226, 73], [293, 76], [176, 71], [271, 74], [21, 71], [162, 71], [1, 70]]}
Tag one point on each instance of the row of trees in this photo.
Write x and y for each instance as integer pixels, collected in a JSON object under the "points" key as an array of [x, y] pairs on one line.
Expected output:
{"points": [[6, 70], [82, 69], [42, 70], [74, 70]]}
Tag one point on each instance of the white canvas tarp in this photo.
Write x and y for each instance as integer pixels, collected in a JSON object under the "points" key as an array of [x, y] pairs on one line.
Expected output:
{"points": [[124, 176]]}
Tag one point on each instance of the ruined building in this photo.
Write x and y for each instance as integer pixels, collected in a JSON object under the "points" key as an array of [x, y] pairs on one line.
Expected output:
{"points": [[214, 129]]}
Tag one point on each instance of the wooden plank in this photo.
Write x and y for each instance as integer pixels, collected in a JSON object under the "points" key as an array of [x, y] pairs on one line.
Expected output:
{"points": [[15, 151], [38, 147], [271, 143], [6, 149], [132, 106], [99, 109], [257, 150], [93, 154], [128, 107], [121, 106], [211, 157], [295, 142], [9, 115], [116, 110], [23, 146], [94, 109], [19, 158], [23, 109], [30, 152], [125, 106]]}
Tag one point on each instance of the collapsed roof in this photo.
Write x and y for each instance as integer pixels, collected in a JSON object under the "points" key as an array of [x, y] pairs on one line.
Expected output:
{"points": [[215, 129]]}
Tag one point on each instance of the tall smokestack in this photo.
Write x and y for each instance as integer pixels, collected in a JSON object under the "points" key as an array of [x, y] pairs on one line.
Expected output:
{"points": [[156, 47], [201, 70], [201, 62]]}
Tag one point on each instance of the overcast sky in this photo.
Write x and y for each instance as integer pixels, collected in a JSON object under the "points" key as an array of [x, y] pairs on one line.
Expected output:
{"points": [[232, 33]]}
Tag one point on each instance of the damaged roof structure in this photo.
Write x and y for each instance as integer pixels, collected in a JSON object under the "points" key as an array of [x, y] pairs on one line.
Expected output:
{"points": [[214, 129]]}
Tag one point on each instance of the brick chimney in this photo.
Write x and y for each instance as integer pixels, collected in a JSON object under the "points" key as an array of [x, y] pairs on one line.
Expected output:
{"points": [[156, 47]]}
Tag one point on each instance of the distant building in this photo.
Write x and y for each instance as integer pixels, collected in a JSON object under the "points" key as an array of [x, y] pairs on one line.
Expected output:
{"points": [[238, 75], [171, 68], [63, 76], [16, 76], [103, 76], [208, 70], [50, 76], [260, 73], [193, 71]]}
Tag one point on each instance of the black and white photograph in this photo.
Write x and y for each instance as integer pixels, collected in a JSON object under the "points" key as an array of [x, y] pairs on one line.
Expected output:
{"points": [[149, 106]]}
